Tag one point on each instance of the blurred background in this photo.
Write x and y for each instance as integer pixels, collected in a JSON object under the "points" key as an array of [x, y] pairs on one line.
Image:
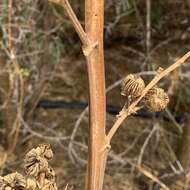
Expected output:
{"points": [[44, 90]]}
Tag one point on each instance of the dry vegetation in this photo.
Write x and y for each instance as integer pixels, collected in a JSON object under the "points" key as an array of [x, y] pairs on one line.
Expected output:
{"points": [[39, 175], [41, 64]]}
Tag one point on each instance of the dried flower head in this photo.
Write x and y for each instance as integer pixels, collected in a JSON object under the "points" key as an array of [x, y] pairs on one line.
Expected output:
{"points": [[132, 86], [156, 99], [13, 181], [36, 160]]}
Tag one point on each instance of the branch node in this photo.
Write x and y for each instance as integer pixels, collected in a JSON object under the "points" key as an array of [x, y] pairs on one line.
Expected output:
{"points": [[87, 49], [106, 147], [160, 70]]}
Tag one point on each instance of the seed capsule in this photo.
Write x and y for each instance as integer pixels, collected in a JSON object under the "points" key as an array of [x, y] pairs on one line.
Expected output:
{"points": [[156, 99], [132, 86]]}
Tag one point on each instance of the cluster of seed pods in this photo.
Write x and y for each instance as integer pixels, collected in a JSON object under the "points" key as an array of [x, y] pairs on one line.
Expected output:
{"points": [[156, 98]]}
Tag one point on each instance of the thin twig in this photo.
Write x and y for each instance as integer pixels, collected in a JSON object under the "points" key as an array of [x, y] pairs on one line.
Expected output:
{"points": [[133, 107], [148, 29], [13, 136], [72, 138], [151, 176], [76, 24], [148, 26], [145, 144]]}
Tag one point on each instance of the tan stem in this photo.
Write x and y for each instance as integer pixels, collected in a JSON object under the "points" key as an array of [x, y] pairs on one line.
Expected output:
{"points": [[184, 148], [93, 49], [94, 22]]}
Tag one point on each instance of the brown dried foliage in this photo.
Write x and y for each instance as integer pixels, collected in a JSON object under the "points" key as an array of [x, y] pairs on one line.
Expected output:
{"points": [[39, 175]]}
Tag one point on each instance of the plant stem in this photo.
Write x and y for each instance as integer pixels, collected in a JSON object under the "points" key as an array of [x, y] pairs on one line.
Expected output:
{"points": [[94, 24], [13, 133], [183, 152], [92, 39], [73, 18]]}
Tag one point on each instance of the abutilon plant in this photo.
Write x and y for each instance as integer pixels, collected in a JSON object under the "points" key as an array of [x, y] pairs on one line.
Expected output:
{"points": [[133, 88], [38, 174], [92, 40]]}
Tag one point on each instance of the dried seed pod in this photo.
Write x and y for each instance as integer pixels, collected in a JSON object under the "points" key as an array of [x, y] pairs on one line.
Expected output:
{"points": [[156, 99], [12, 181], [36, 160], [132, 86]]}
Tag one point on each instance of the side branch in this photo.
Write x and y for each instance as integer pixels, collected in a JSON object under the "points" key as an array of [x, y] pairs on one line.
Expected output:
{"points": [[76, 24], [133, 107]]}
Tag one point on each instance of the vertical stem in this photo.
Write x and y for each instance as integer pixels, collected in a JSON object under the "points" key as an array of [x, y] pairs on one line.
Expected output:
{"points": [[184, 148], [148, 27], [94, 22], [148, 33]]}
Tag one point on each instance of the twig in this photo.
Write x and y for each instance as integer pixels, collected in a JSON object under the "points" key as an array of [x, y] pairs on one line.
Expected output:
{"points": [[42, 136], [172, 118], [152, 177], [76, 24], [148, 29], [138, 15], [148, 26], [77, 124], [145, 144], [13, 134], [133, 107]]}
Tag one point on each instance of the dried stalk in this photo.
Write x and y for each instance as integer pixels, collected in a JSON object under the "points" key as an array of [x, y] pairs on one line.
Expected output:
{"points": [[184, 148], [76, 24], [148, 29], [152, 177], [92, 41], [94, 24], [13, 134]]}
